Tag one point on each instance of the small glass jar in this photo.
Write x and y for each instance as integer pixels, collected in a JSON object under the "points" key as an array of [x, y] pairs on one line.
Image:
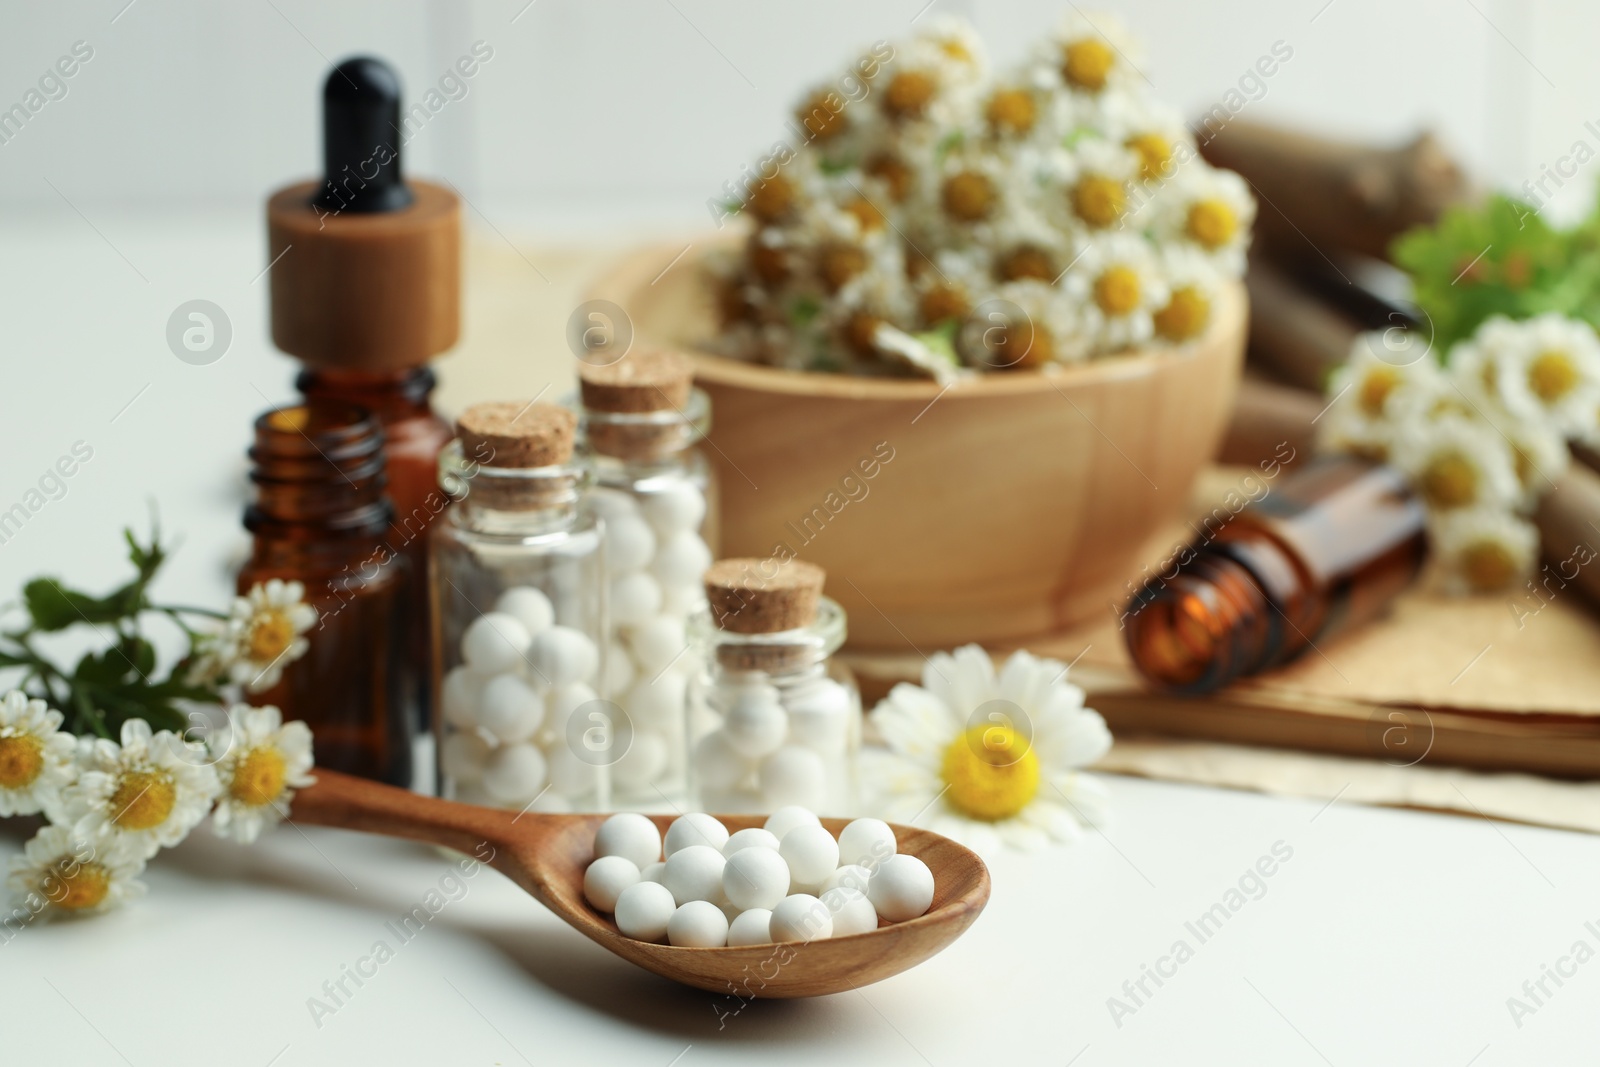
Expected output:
{"points": [[640, 420], [519, 609], [774, 720]]}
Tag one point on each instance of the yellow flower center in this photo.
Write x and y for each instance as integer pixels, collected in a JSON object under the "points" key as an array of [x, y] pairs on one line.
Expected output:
{"points": [[270, 636], [908, 94], [1086, 63], [1012, 111], [143, 800], [21, 760], [1376, 385], [896, 174], [992, 772], [772, 198], [1186, 315], [1212, 223], [838, 263], [1450, 481], [868, 217], [1488, 566], [1099, 201], [955, 50], [940, 303], [820, 120], [1117, 290], [74, 885], [1155, 154], [259, 776], [1026, 261], [1552, 375], [967, 196]]}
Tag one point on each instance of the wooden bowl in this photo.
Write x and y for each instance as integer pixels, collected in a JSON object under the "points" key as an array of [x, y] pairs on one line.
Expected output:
{"points": [[994, 510]]}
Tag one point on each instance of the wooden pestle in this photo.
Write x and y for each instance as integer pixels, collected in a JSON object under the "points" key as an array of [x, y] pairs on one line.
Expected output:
{"points": [[1319, 196]]}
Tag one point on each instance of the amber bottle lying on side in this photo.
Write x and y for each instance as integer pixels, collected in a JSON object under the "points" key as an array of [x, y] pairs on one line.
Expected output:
{"points": [[1325, 551]]}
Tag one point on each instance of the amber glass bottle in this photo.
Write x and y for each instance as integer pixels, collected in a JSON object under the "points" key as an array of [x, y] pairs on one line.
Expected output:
{"points": [[413, 437], [1326, 550], [320, 516]]}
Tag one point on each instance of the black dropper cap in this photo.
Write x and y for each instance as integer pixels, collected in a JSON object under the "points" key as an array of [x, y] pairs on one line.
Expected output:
{"points": [[361, 139]]}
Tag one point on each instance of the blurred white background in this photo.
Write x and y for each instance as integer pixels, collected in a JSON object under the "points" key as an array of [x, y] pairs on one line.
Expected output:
{"points": [[140, 186]]}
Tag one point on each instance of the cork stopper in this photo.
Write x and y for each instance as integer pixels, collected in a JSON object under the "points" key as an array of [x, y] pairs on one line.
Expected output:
{"points": [[649, 379], [517, 434], [763, 596]]}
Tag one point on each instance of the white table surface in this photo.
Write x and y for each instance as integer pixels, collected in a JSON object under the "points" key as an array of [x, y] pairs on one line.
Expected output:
{"points": [[1389, 937]]}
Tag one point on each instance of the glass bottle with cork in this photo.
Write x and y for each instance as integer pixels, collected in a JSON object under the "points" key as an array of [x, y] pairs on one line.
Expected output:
{"points": [[519, 610], [365, 280], [774, 719], [1324, 552], [641, 417], [320, 517]]}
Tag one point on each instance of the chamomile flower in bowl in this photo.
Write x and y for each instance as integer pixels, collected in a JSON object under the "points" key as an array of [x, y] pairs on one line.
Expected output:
{"points": [[1193, 288], [63, 873], [1117, 284], [986, 757], [147, 790], [266, 760], [1094, 58], [35, 756], [1209, 209]]}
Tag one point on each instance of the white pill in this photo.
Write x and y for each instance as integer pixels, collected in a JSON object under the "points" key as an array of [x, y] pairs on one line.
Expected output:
{"points": [[750, 837], [514, 774], [569, 775], [509, 708], [901, 888], [529, 606], [610, 504], [643, 763], [657, 642], [458, 696], [794, 775], [866, 842], [462, 757], [566, 700], [755, 723], [631, 836], [801, 917], [681, 559], [658, 702], [786, 818], [635, 598], [811, 853], [678, 507], [852, 912], [654, 872], [495, 643], [694, 873], [619, 672], [698, 924], [630, 543], [850, 876], [755, 878], [696, 828], [562, 656], [750, 928], [644, 909], [605, 879], [717, 764], [683, 599]]}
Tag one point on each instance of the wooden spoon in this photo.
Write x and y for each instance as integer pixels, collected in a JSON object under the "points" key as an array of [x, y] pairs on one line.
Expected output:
{"points": [[546, 855]]}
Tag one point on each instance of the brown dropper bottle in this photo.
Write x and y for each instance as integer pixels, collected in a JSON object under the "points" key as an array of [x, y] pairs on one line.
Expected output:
{"points": [[366, 284], [320, 517], [1325, 551]]}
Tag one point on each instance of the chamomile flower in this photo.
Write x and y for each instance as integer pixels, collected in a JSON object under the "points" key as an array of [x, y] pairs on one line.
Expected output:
{"points": [[64, 873], [266, 633], [1093, 57], [1484, 550], [1193, 285], [985, 757], [1154, 131], [1456, 464], [1092, 181], [267, 759], [1208, 209], [1538, 455], [1553, 376], [1386, 383], [1022, 325], [150, 789], [35, 756], [1118, 286]]}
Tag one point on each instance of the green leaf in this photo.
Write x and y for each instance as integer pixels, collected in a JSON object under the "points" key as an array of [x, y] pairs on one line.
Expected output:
{"points": [[941, 341], [802, 310], [55, 607]]}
